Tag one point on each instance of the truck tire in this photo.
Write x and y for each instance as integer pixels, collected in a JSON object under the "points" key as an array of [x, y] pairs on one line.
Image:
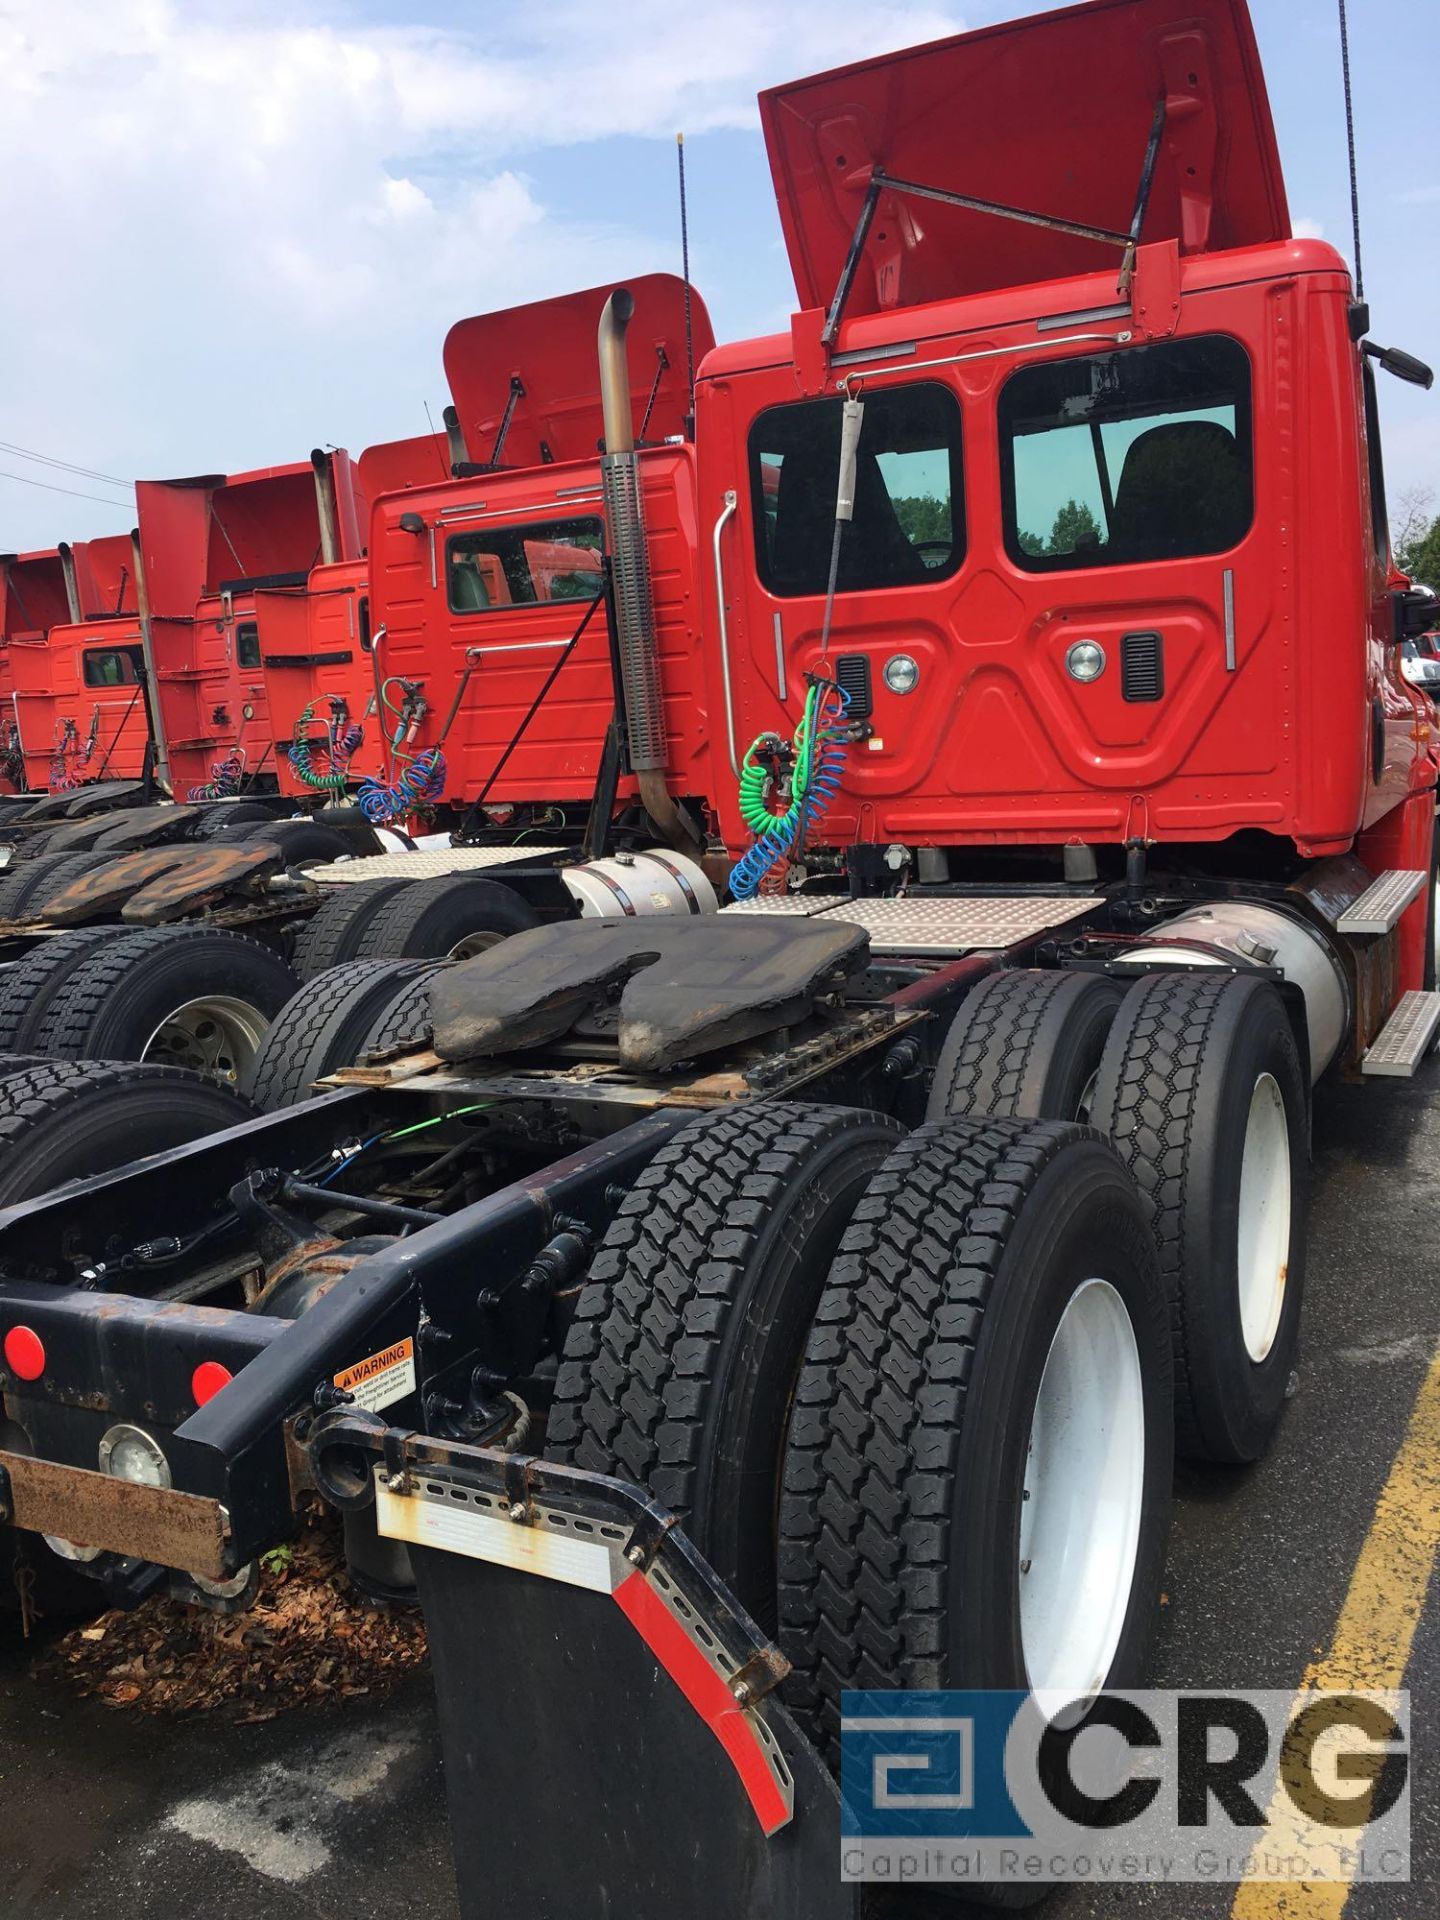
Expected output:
{"points": [[332, 933], [180, 996], [65, 1119], [322, 1029], [452, 918], [304, 843], [406, 1021], [954, 1511], [1202, 1091], [1025, 1044], [223, 819], [679, 1363], [28, 987]]}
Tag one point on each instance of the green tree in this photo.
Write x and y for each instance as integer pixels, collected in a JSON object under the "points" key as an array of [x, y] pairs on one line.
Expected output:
{"points": [[1416, 535], [923, 517], [1075, 526]]}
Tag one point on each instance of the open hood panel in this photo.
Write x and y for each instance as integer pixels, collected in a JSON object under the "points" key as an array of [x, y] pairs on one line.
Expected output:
{"points": [[1052, 115], [549, 346], [390, 466]]}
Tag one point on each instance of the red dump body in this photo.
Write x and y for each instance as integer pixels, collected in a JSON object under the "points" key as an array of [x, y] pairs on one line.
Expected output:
{"points": [[1175, 475], [78, 690], [210, 546]]}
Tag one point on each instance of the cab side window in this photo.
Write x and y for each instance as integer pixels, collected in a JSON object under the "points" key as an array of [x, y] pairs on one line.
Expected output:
{"points": [[247, 644], [522, 565], [909, 518], [111, 666], [1118, 458]]}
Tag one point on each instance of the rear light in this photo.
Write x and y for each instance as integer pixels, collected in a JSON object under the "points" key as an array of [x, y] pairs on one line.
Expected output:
{"points": [[207, 1380], [129, 1453], [24, 1353]]}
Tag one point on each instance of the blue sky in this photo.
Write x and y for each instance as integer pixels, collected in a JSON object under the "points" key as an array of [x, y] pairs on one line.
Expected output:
{"points": [[242, 231]]}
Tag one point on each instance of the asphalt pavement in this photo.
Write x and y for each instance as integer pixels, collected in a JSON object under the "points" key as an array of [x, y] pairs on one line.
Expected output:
{"points": [[106, 1815]]}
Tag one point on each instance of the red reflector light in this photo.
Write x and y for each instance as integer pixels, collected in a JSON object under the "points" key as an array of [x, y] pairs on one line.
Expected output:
{"points": [[207, 1380], [25, 1353]]}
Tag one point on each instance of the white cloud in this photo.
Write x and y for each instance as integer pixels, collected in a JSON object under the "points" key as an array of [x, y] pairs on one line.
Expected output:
{"points": [[236, 235], [1306, 229]]}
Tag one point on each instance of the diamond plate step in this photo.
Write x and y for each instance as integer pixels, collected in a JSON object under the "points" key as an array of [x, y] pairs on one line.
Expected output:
{"points": [[916, 923], [426, 863], [1406, 1037], [1382, 902]]}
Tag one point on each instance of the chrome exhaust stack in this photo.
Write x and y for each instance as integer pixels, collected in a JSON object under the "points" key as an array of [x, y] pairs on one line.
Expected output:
{"points": [[634, 605], [325, 506], [72, 584], [147, 649]]}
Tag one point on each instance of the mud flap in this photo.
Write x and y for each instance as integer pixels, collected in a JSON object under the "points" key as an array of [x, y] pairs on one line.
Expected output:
{"points": [[612, 1740]]}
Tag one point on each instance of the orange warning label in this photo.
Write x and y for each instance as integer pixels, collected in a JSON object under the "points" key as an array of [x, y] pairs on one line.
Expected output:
{"points": [[382, 1379]]}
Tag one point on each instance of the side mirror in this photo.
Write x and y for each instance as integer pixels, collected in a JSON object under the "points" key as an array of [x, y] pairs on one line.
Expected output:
{"points": [[1417, 611], [1404, 366]]}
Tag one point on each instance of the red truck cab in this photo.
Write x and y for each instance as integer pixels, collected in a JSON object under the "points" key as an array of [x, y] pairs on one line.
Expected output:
{"points": [[77, 683], [211, 545], [479, 583], [1118, 570]]}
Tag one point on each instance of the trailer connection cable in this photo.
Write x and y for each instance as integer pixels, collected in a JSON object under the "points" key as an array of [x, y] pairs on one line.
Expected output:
{"points": [[226, 774], [817, 757], [420, 781], [343, 740], [63, 770], [420, 784]]}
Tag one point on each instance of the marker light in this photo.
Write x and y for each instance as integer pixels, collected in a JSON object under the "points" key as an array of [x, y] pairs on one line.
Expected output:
{"points": [[1085, 660], [207, 1380], [901, 673], [128, 1453], [24, 1353]]}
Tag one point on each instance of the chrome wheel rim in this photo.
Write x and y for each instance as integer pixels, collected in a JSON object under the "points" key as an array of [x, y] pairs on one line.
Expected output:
{"points": [[216, 1034]]}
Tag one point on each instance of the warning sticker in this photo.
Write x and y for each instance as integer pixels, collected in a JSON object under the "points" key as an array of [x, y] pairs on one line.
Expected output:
{"points": [[382, 1379]]}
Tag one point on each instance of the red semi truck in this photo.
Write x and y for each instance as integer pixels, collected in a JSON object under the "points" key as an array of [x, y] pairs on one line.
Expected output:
{"points": [[316, 644], [813, 1295], [475, 578], [208, 546], [78, 699]]}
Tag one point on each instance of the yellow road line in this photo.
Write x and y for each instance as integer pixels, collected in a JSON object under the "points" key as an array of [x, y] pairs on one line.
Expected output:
{"points": [[1370, 1647]]}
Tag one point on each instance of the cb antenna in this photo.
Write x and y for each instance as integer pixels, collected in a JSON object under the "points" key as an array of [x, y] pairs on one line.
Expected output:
{"points": [[685, 276], [1350, 141], [439, 447]]}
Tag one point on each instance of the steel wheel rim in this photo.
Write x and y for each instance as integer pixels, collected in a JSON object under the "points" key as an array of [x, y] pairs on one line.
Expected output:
{"points": [[214, 1034], [1084, 1500], [1263, 1227], [472, 944]]}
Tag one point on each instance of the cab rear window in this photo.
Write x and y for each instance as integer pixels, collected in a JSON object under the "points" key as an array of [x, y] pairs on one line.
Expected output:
{"points": [[909, 518], [1116, 458], [247, 644], [495, 567], [112, 666]]}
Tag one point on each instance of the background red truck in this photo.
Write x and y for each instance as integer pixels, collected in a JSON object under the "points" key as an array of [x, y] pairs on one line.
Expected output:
{"points": [[76, 669], [209, 545]]}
